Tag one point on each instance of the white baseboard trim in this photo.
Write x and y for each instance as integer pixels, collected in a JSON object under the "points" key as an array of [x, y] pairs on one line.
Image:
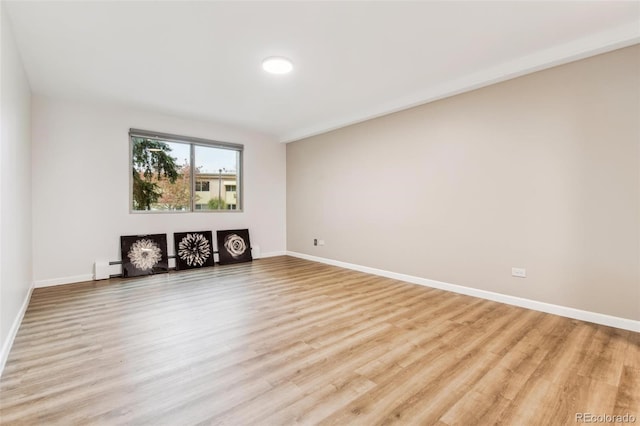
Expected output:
{"points": [[13, 331], [63, 280], [564, 311], [272, 254]]}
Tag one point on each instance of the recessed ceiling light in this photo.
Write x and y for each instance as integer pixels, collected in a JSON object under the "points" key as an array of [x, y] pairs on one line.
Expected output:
{"points": [[277, 65]]}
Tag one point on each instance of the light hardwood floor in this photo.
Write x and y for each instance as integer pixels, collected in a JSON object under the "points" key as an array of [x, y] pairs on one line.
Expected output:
{"points": [[288, 341]]}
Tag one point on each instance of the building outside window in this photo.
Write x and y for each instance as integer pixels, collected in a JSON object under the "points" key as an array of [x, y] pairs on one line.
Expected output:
{"points": [[219, 186]]}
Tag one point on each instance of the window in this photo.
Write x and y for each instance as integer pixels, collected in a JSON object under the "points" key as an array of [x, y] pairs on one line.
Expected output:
{"points": [[202, 186], [182, 174]]}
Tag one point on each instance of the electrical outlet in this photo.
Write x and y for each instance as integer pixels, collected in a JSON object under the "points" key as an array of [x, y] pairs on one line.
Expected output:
{"points": [[320, 242], [315, 241], [519, 272]]}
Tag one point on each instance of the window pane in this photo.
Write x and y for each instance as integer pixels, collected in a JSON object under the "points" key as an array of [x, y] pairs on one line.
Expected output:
{"points": [[217, 180], [161, 175]]}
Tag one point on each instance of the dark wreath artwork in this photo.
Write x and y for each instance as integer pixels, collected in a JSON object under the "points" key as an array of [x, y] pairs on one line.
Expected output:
{"points": [[234, 246], [144, 254], [193, 249]]}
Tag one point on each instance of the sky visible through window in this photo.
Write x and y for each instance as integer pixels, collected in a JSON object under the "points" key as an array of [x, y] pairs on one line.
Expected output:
{"points": [[208, 160]]}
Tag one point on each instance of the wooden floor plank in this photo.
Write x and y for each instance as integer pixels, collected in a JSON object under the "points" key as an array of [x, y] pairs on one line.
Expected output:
{"points": [[289, 341]]}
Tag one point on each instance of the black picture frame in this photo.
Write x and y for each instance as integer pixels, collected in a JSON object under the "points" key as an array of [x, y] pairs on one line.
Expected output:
{"points": [[144, 255], [234, 246], [193, 249]]}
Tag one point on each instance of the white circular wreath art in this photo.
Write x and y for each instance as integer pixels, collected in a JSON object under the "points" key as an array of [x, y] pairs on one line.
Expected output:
{"points": [[235, 245], [144, 254], [194, 249]]}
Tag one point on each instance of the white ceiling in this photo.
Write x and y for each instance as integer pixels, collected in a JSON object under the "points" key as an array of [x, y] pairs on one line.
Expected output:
{"points": [[353, 60]]}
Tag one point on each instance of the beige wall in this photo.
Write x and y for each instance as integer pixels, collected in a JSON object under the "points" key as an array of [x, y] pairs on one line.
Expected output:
{"points": [[539, 172]]}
